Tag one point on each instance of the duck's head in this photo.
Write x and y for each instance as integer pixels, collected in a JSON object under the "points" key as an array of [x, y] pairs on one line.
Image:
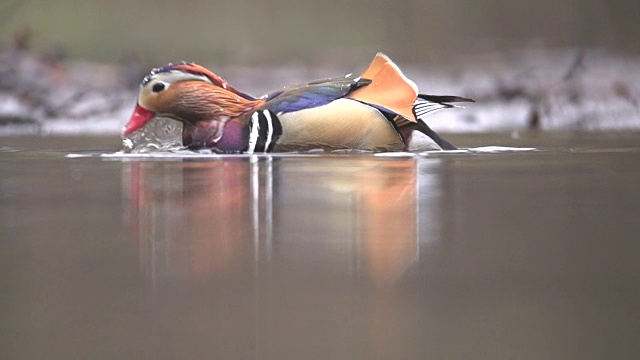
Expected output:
{"points": [[188, 93]]}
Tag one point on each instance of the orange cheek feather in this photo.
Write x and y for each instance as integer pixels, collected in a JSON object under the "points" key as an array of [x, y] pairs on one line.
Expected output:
{"points": [[139, 118]]}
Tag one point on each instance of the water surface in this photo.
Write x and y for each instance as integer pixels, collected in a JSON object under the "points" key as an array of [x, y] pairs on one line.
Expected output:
{"points": [[530, 255]]}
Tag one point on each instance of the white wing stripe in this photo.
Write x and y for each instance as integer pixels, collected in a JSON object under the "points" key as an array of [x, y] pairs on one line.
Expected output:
{"points": [[253, 135], [269, 130]]}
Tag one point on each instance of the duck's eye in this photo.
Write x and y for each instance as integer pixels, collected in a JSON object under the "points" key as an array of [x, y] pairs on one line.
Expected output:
{"points": [[157, 87]]}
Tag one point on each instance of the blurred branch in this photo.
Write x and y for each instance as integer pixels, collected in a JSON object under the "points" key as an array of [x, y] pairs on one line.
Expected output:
{"points": [[576, 66]]}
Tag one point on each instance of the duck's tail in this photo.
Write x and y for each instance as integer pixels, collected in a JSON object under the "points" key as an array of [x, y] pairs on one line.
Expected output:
{"points": [[389, 89], [422, 107], [397, 96]]}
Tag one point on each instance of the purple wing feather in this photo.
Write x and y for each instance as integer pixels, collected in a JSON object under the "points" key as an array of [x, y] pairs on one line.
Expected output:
{"points": [[311, 95]]}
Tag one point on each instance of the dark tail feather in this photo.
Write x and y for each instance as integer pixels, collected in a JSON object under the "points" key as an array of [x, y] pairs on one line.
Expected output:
{"points": [[425, 129], [426, 104], [443, 99]]}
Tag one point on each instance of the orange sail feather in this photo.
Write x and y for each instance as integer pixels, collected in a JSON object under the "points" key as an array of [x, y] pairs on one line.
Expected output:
{"points": [[389, 88]]}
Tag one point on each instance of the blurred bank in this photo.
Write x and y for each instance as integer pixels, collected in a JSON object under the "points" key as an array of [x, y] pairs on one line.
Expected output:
{"points": [[73, 66]]}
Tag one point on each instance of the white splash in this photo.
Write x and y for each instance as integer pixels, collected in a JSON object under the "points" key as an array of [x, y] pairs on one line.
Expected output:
{"points": [[398, 154], [186, 154], [182, 153], [160, 134], [79, 156], [497, 149]]}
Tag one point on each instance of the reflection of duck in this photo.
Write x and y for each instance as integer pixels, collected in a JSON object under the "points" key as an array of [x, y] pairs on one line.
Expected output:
{"points": [[388, 212], [380, 110], [363, 215], [216, 218], [193, 221]]}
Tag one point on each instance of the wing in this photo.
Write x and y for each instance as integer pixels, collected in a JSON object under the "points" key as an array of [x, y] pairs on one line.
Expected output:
{"points": [[313, 94]]}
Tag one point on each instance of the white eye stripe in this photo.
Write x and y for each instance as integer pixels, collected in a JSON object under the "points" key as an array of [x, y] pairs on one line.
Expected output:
{"points": [[170, 77]]}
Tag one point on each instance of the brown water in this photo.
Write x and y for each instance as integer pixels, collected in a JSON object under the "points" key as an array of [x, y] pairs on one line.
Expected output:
{"points": [[527, 255]]}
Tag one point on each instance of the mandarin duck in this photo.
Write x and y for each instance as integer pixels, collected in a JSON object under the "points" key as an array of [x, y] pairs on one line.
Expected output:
{"points": [[380, 110]]}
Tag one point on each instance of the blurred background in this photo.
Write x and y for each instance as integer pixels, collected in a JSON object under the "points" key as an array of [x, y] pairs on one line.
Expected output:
{"points": [[496, 50], [314, 32]]}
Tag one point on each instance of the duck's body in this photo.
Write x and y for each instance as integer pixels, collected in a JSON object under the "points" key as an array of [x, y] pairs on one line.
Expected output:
{"points": [[380, 110]]}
